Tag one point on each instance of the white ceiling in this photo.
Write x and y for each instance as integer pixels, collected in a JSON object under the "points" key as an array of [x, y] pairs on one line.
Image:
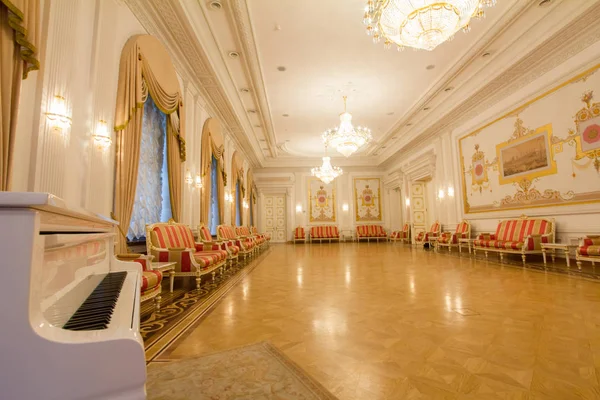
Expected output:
{"points": [[326, 53]]}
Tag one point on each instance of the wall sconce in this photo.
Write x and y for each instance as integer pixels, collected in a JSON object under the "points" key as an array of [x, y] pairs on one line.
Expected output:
{"points": [[188, 178], [102, 137], [407, 202], [228, 197], [245, 204], [345, 207], [198, 181], [441, 194], [450, 191], [57, 114], [299, 208]]}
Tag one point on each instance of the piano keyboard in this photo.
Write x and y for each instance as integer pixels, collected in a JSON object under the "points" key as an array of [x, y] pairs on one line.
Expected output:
{"points": [[96, 311]]}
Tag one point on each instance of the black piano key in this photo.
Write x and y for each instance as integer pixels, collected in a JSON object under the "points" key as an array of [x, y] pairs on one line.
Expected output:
{"points": [[96, 311]]}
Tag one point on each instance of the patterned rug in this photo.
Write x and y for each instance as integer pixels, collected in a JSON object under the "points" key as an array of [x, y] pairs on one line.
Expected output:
{"points": [[257, 371]]}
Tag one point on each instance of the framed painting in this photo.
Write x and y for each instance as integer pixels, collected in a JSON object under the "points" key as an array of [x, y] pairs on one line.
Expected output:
{"points": [[367, 199], [526, 157], [321, 201]]}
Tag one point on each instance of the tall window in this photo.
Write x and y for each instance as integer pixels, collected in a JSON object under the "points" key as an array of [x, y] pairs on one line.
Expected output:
{"points": [[238, 201], [152, 201], [251, 208], [214, 198]]}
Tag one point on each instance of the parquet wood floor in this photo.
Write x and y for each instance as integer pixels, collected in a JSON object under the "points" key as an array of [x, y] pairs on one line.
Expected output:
{"points": [[383, 321]]}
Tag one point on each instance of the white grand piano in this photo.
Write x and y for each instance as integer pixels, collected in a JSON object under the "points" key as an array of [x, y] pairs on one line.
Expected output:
{"points": [[69, 310]]}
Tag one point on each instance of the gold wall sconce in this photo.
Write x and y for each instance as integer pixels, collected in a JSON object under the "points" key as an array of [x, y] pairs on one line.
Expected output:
{"points": [[102, 137], [57, 114]]}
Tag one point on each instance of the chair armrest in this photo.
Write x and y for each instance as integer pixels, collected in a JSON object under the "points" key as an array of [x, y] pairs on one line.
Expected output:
{"points": [[486, 236]]}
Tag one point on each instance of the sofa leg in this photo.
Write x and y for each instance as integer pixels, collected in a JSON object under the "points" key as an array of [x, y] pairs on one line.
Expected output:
{"points": [[486, 254], [524, 257], [213, 275], [579, 263], [198, 280], [157, 300], [501, 257]]}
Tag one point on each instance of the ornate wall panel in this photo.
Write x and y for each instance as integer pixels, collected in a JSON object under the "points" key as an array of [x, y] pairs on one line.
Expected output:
{"points": [[544, 153], [367, 199], [418, 206], [321, 201]]}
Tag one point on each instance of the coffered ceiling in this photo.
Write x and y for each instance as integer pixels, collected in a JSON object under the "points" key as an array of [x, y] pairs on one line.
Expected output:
{"points": [[281, 67]]}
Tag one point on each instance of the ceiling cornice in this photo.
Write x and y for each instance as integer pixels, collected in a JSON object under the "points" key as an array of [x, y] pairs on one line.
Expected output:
{"points": [[167, 20], [576, 36]]}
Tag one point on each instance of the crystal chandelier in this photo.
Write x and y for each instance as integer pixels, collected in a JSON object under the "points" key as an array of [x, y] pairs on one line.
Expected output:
{"points": [[326, 172], [345, 138], [422, 24]]}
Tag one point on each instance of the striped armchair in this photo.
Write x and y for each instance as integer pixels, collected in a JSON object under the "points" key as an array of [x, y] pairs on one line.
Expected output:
{"points": [[517, 236], [403, 235], [244, 231], [299, 235], [265, 235], [171, 241], [246, 245], [151, 285], [588, 250], [227, 245], [426, 237], [450, 239], [324, 232]]}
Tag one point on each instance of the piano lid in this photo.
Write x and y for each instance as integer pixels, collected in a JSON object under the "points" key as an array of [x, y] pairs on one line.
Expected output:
{"points": [[57, 215]]}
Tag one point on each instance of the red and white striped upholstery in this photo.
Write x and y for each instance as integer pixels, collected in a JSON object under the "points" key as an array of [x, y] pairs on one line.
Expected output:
{"points": [[227, 245], [245, 244], [175, 242], [299, 234], [150, 287], [522, 236], [325, 232], [254, 231], [425, 237], [244, 231], [403, 235], [370, 232], [450, 239], [589, 249]]}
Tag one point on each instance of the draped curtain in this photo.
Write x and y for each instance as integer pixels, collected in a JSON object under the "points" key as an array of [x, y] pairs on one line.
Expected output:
{"points": [[19, 32], [212, 146], [237, 173], [145, 67], [250, 191]]}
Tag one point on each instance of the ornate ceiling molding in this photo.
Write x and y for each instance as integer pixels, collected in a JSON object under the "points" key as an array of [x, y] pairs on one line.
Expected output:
{"points": [[421, 168], [166, 20], [576, 36]]}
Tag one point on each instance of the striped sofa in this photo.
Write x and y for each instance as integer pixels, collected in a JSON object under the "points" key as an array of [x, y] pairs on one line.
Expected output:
{"points": [[299, 235], [517, 236], [247, 246], [588, 249], [368, 232], [171, 241], [324, 232], [151, 284], [450, 239], [426, 237], [403, 235], [227, 245]]}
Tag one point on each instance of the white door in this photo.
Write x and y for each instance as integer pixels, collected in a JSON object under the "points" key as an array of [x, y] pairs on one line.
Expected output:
{"points": [[275, 217], [419, 209]]}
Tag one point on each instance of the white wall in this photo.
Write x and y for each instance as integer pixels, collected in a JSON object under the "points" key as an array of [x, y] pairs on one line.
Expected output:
{"points": [[80, 54], [572, 221]]}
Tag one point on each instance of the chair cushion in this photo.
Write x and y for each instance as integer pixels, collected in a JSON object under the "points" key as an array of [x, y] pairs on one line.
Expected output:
{"points": [[589, 250], [150, 280]]}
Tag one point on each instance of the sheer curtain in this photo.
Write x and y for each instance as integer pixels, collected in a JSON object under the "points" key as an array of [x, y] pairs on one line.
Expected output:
{"points": [[152, 201], [215, 219]]}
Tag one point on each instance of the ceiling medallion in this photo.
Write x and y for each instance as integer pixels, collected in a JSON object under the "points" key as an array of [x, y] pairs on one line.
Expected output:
{"points": [[345, 138], [326, 172], [424, 24]]}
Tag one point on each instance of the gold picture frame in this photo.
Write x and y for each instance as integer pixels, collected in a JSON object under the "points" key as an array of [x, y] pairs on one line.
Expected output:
{"points": [[527, 157]]}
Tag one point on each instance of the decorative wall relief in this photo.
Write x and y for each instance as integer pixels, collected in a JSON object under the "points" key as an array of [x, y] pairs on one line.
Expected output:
{"points": [[367, 199], [547, 152], [321, 201]]}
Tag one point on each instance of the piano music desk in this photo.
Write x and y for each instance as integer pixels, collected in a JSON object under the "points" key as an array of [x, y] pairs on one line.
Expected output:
{"points": [[166, 267]]}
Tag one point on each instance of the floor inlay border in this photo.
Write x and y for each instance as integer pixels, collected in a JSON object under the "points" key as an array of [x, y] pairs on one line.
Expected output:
{"points": [[163, 340]]}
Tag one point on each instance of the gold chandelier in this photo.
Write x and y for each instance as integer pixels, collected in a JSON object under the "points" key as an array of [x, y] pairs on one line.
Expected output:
{"points": [[422, 24], [346, 138], [326, 172]]}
